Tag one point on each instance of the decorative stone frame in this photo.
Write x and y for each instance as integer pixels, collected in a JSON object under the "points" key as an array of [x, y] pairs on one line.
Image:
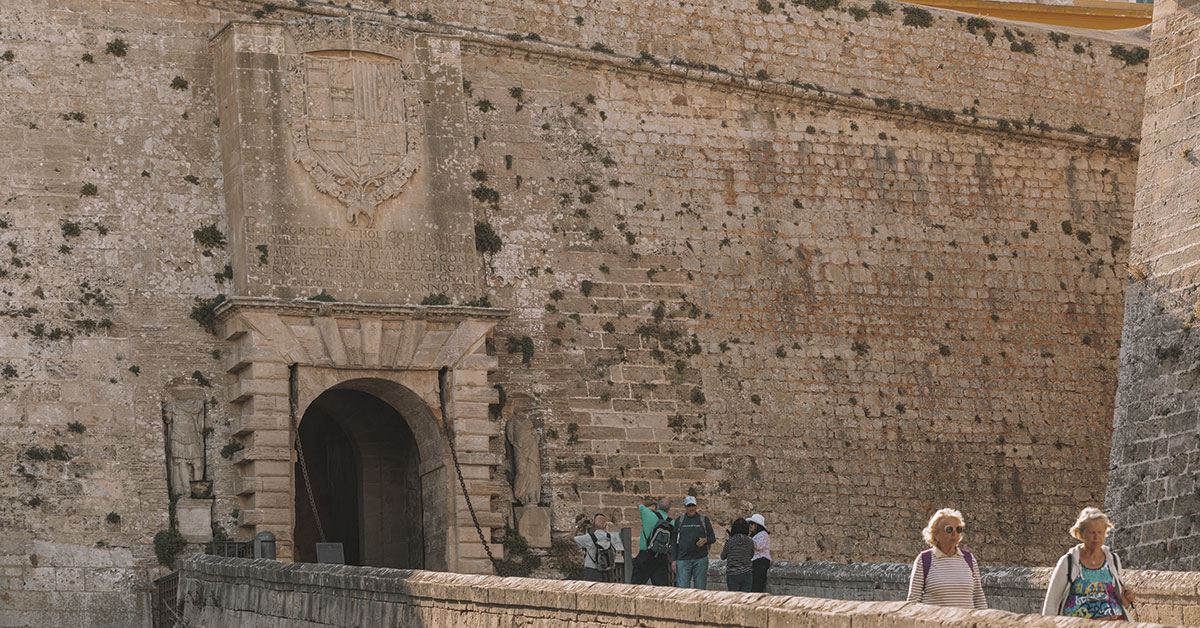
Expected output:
{"points": [[284, 354]]}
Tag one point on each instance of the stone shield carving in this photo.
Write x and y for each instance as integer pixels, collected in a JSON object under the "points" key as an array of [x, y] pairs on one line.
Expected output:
{"points": [[356, 129]]}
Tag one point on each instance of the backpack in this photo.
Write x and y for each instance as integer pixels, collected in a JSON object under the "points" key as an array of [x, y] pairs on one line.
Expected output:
{"points": [[659, 541], [927, 560], [605, 557]]}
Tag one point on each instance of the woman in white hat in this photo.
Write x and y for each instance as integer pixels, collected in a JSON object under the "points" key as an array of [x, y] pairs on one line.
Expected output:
{"points": [[762, 553]]}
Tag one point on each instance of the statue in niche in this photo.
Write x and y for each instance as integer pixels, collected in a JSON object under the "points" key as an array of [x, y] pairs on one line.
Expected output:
{"points": [[527, 466], [185, 443]]}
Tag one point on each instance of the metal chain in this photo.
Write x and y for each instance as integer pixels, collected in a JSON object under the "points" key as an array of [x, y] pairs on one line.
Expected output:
{"points": [[292, 401], [461, 482]]}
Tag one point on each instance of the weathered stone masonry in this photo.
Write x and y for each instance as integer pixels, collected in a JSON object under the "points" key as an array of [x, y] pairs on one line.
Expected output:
{"points": [[1153, 488], [840, 308]]}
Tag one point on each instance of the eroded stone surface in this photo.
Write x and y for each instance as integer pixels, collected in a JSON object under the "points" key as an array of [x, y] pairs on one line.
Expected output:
{"points": [[806, 293]]}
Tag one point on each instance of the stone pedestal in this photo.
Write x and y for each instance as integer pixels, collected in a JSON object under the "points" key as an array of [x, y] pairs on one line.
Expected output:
{"points": [[533, 523], [195, 519]]}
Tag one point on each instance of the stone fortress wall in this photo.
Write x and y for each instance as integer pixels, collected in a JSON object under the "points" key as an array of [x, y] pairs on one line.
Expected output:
{"points": [[860, 286], [1153, 488]]}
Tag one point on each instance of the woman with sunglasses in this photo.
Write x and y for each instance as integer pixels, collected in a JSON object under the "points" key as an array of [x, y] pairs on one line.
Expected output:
{"points": [[945, 574]]}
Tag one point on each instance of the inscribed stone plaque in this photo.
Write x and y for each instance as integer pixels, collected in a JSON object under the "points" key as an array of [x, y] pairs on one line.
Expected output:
{"points": [[335, 177]]}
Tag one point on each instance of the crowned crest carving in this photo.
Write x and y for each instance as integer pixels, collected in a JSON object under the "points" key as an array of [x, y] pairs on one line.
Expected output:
{"points": [[354, 112]]}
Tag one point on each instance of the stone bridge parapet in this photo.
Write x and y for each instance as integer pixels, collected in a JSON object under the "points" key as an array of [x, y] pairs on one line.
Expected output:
{"points": [[230, 591]]}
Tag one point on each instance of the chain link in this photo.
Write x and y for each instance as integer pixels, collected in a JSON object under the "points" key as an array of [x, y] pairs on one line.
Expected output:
{"points": [[292, 401], [461, 482]]}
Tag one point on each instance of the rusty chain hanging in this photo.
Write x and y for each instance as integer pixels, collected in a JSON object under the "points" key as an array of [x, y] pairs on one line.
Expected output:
{"points": [[443, 392], [292, 401]]}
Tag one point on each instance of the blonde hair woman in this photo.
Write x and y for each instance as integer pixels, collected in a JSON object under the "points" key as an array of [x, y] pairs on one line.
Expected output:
{"points": [[1087, 579], [945, 574]]}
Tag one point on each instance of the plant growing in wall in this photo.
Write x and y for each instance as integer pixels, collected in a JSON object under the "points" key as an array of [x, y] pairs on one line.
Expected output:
{"points": [[487, 241], [523, 345], [232, 448], [821, 5], [116, 47], [1131, 56], [204, 311], [168, 545], [917, 17], [209, 238], [518, 560]]}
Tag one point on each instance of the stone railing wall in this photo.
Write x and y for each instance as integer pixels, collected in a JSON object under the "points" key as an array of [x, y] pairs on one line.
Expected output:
{"points": [[1168, 597], [232, 591]]}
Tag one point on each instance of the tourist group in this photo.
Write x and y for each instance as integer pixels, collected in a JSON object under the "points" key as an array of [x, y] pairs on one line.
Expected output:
{"points": [[1086, 582]]}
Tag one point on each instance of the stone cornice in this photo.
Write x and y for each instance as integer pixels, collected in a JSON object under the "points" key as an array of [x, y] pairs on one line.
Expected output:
{"points": [[302, 307]]}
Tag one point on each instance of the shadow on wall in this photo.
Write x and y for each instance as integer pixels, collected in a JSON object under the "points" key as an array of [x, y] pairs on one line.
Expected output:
{"points": [[1153, 494]]}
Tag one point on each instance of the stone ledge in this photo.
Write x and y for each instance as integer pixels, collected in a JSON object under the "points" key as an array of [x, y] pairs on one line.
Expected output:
{"points": [[234, 580], [302, 307]]}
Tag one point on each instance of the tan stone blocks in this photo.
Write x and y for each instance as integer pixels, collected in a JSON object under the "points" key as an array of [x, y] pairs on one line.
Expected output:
{"points": [[245, 422], [268, 438], [476, 427], [245, 386], [268, 518]]}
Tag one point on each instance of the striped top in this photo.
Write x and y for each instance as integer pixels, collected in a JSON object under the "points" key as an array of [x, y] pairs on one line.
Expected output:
{"points": [[951, 582], [738, 550]]}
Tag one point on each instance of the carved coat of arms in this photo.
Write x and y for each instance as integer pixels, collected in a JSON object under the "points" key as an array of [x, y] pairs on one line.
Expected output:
{"points": [[356, 127]]}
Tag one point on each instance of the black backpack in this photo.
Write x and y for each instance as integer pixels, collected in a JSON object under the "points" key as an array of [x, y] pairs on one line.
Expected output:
{"points": [[605, 557], [660, 537]]}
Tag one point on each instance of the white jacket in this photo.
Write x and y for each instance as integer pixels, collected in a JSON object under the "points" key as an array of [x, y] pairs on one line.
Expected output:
{"points": [[1060, 580], [589, 548]]}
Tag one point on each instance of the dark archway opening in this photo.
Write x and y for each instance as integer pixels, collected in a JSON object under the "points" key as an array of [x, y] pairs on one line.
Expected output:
{"points": [[363, 462]]}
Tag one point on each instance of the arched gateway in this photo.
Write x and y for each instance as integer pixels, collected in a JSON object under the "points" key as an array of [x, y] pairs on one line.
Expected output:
{"points": [[361, 460], [369, 390]]}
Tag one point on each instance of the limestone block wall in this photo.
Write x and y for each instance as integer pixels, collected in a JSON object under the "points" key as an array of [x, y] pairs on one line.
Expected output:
{"points": [[886, 51], [1153, 490], [840, 316], [779, 297], [1167, 597], [217, 591], [108, 171]]}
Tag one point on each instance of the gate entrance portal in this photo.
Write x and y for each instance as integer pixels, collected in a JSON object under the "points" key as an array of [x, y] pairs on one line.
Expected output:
{"points": [[364, 465]]}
